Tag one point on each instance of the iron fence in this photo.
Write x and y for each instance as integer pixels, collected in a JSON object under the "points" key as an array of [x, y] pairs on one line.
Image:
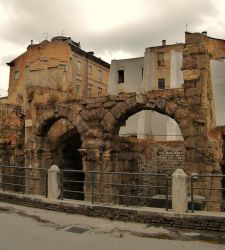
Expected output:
{"points": [[23, 180], [207, 193], [129, 188]]}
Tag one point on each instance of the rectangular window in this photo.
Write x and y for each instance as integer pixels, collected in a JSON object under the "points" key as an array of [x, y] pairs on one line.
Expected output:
{"points": [[78, 68], [99, 91], [120, 76], [142, 72], [89, 69], [100, 76], [161, 83], [160, 58], [78, 88], [17, 74], [89, 92]]}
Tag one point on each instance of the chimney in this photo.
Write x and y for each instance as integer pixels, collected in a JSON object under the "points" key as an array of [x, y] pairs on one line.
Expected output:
{"points": [[204, 33], [163, 42], [31, 42]]}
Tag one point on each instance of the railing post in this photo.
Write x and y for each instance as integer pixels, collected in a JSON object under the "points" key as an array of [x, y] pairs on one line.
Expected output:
{"points": [[179, 191], [54, 182], [192, 194], [46, 184], [92, 188], [61, 184], [167, 192], [127, 193], [3, 186]]}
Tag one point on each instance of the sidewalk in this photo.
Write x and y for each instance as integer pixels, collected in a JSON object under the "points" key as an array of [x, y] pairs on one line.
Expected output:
{"points": [[31, 228]]}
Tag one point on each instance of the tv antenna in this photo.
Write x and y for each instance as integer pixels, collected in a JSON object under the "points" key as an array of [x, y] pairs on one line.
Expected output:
{"points": [[46, 34]]}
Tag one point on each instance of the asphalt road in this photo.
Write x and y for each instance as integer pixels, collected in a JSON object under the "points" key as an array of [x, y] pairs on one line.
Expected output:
{"points": [[23, 228]]}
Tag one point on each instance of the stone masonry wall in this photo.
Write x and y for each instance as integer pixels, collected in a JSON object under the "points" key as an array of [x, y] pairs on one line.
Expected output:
{"points": [[153, 157]]}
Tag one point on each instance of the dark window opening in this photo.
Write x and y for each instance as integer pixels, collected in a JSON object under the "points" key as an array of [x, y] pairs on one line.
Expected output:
{"points": [[120, 76], [142, 72], [161, 83], [160, 58]]}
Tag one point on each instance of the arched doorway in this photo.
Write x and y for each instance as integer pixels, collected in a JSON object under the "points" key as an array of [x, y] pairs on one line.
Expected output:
{"points": [[65, 142]]}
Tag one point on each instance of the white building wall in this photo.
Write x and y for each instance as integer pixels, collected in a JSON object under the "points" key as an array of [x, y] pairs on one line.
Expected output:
{"points": [[176, 74], [132, 75], [132, 83], [218, 84], [146, 123]]}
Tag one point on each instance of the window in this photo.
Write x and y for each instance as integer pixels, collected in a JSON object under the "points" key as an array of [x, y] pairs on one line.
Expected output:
{"points": [[17, 74], [99, 91], [160, 58], [100, 76], [78, 68], [142, 72], [78, 88], [161, 83], [89, 92], [120, 76], [89, 69]]}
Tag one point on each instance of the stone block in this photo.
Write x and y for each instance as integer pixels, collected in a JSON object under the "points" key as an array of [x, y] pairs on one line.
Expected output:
{"points": [[109, 122], [54, 182], [120, 109], [191, 74], [161, 104], [179, 191]]}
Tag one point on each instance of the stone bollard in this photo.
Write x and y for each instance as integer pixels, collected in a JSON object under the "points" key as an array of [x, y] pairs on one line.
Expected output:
{"points": [[54, 182], [179, 191]]}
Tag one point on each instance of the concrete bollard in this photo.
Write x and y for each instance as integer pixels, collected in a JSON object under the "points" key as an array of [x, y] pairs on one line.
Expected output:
{"points": [[54, 182], [179, 191]]}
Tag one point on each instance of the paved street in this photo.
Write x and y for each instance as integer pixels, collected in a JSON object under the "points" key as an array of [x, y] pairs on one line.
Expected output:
{"points": [[23, 228]]}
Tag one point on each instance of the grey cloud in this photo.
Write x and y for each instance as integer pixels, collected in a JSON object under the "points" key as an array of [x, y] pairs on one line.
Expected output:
{"points": [[6, 59], [169, 25], [32, 18]]}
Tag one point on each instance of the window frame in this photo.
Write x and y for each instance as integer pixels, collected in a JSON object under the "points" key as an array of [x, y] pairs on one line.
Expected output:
{"points": [[163, 82], [120, 75], [160, 59]]}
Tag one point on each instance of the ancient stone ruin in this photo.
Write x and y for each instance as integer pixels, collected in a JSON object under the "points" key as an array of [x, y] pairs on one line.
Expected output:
{"points": [[88, 138]]}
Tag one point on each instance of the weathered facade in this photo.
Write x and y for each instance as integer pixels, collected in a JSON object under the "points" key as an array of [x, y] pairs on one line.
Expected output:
{"points": [[91, 135], [160, 68]]}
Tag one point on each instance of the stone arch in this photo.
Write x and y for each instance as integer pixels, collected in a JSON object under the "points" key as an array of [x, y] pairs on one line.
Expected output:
{"points": [[153, 100], [46, 118]]}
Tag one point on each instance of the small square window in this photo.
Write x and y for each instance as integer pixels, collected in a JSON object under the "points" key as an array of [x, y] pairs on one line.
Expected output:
{"points": [[120, 76], [161, 83]]}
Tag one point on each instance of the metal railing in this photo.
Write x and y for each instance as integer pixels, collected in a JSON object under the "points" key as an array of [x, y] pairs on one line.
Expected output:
{"points": [[129, 188], [212, 191], [24, 180]]}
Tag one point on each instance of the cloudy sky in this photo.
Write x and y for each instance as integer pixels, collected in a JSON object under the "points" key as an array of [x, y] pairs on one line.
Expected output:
{"points": [[114, 29]]}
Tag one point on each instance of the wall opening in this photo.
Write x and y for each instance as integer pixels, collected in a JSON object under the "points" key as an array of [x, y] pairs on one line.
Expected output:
{"points": [[65, 145], [150, 143], [149, 124]]}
